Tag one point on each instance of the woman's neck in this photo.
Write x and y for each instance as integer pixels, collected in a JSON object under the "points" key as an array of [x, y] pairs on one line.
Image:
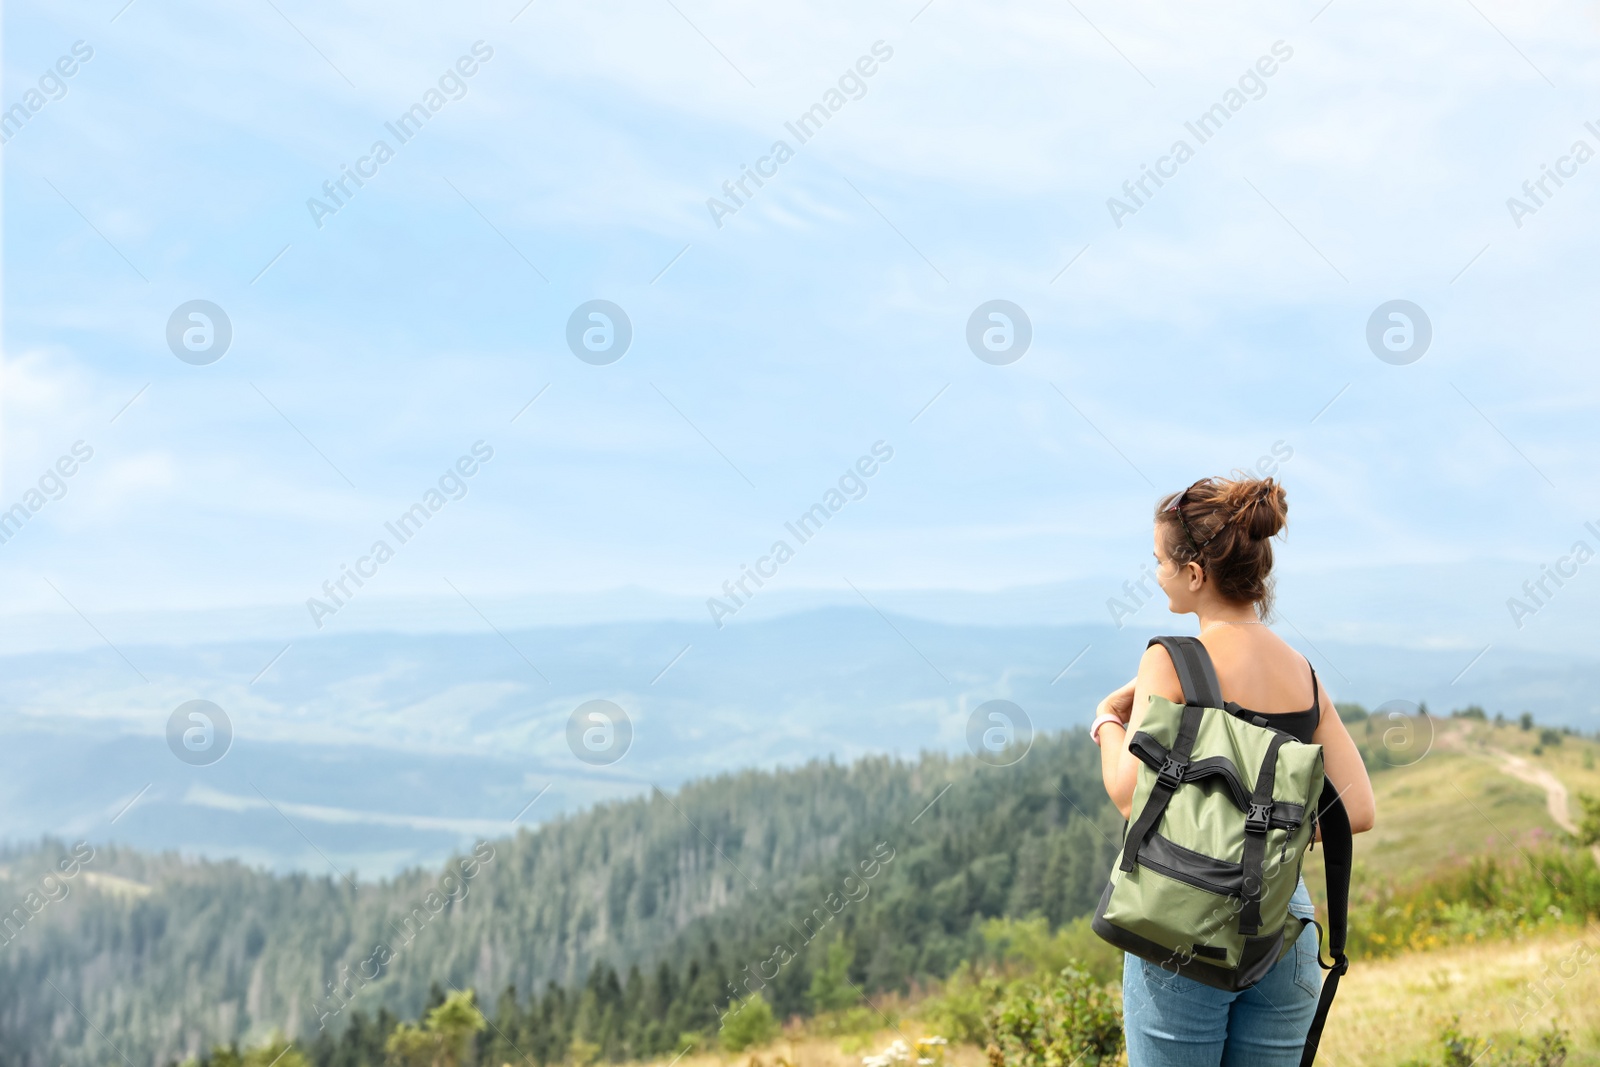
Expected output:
{"points": [[1226, 615]]}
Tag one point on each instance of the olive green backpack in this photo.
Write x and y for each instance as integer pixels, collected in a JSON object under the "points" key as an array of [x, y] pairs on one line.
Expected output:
{"points": [[1222, 815]]}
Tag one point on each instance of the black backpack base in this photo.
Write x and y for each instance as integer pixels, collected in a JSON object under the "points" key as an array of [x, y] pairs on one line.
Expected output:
{"points": [[1261, 954]]}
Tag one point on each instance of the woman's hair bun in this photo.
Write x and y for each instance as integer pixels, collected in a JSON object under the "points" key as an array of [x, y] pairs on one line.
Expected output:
{"points": [[1227, 525], [1258, 506]]}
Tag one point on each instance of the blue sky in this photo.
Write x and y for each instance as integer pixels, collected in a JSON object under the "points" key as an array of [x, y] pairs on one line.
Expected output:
{"points": [[1227, 315]]}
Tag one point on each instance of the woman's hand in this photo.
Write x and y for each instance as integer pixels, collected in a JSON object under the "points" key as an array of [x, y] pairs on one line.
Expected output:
{"points": [[1119, 702]]}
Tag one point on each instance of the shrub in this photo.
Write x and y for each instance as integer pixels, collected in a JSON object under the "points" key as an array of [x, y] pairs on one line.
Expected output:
{"points": [[1460, 1049], [961, 1008], [1471, 711], [831, 989], [581, 1053], [1067, 1019], [442, 1038], [751, 1023], [1482, 899], [277, 1051], [1031, 943], [1548, 736], [1589, 827], [1525, 720]]}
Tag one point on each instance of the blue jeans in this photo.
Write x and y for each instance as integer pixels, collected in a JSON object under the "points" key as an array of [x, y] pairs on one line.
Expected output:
{"points": [[1173, 1021]]}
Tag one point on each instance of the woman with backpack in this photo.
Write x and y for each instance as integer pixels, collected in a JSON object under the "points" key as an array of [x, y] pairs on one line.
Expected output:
{"points": [[1184, 1006]]}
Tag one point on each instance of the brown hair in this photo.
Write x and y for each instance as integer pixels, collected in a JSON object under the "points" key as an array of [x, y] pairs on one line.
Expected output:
{"points": [[1226, 526]]}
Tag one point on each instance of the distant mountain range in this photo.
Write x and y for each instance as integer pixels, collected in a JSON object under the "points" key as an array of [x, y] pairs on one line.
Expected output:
{"points": [[371, 752]]}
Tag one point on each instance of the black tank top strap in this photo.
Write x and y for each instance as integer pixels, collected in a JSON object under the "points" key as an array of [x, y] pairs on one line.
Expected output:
{"points": [[1300, 725]]}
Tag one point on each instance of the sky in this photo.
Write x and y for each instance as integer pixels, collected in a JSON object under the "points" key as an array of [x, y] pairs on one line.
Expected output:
{"points": [[1214, 322]]}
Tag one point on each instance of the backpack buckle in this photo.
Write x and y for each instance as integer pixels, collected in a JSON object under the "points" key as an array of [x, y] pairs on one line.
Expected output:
{"points": [[1258, 818], [1171, 772]]}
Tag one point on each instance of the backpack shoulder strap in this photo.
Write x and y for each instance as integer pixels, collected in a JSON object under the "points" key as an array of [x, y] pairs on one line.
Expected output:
{"points": [[1200, 691], [1195, 672], [1336, 859]]}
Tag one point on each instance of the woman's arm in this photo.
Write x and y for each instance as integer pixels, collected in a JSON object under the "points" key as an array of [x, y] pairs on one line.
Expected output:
{"points": [[1119, 768], [1342, 765]]}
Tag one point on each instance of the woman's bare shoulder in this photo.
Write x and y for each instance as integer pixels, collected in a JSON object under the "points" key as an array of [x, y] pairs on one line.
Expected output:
{"points": [[1157, 675]]}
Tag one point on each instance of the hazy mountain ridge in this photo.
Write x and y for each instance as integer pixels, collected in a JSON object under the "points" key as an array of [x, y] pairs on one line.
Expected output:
{"points": [[382, 750]]}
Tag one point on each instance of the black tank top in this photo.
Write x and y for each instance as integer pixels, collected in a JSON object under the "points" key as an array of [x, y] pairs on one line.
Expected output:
{"points": [[1300, 725]]}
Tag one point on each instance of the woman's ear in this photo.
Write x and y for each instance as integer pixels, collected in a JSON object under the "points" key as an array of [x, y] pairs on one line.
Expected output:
{"points": [[1196, 575]]}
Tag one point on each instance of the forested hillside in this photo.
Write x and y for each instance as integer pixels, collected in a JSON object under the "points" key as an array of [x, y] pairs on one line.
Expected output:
{"points": [[746, 874]]}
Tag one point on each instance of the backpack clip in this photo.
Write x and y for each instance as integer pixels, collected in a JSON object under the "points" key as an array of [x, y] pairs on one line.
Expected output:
{"points": [[1172, 772], [1258, 818]]}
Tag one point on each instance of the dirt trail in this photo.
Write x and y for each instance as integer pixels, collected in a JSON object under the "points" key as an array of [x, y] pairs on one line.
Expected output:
{"points": [[1555, 793]]}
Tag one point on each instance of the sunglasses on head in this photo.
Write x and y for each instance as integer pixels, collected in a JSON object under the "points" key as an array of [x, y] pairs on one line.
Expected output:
{"points": [[1177, 506]]}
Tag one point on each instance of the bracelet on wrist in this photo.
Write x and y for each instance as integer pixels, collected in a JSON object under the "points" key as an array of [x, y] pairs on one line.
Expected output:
{"points": [[1102, 720]]}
